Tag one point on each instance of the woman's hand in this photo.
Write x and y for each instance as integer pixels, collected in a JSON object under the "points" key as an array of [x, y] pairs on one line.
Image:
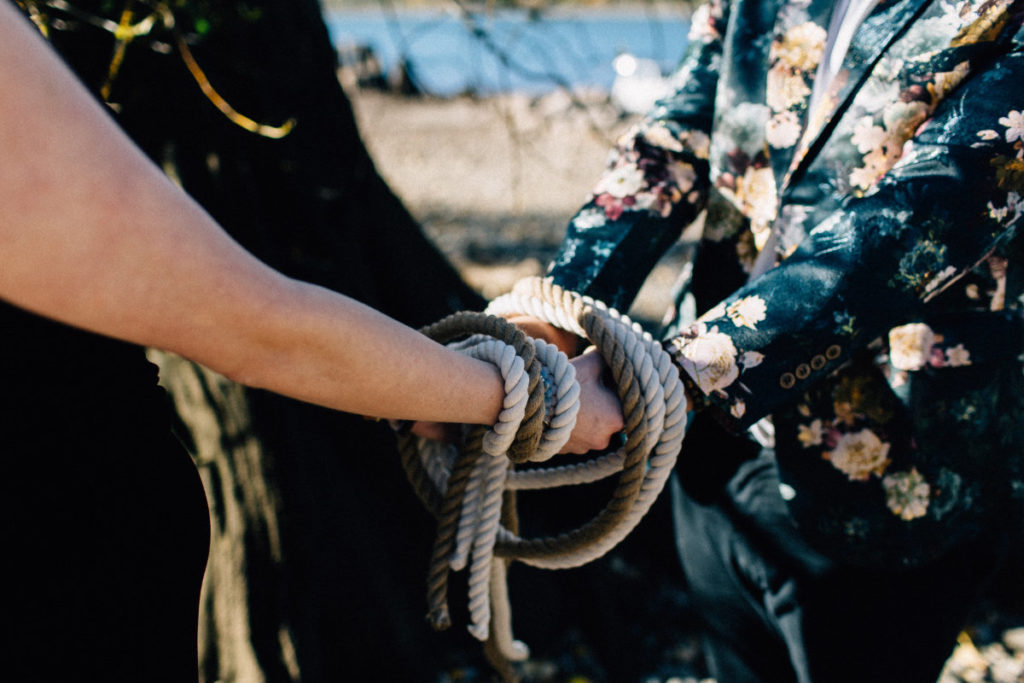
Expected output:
{"points": [[600, 415]]}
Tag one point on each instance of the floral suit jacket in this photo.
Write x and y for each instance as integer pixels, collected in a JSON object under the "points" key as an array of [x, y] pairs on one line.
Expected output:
{"points": [[861, 268]]}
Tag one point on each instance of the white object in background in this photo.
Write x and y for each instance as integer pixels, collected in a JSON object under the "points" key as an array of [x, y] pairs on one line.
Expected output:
{"points": [[638, 83]]}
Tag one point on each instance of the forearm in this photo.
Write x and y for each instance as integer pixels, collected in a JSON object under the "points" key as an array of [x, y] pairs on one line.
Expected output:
{"points": [[320, 347], [94, 235]]}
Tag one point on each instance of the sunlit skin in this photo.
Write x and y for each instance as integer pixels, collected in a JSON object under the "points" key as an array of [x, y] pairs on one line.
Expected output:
{"points": [[96, 236], [567, 342]]}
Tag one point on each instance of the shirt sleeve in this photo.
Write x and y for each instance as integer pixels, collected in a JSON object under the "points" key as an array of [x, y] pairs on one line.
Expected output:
{"points": [[949, 206], [656, 181]]}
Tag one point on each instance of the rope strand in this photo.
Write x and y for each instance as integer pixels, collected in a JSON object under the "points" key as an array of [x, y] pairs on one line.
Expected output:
{"points": [[473, 497]]}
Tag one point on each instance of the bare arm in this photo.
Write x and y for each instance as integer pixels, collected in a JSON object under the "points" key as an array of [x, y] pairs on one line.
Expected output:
{"points": [[94, 235], [567, 342]]}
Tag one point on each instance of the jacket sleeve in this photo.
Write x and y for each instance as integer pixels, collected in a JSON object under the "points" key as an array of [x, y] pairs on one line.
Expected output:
{"points": [[949, 206], [655, 183]]}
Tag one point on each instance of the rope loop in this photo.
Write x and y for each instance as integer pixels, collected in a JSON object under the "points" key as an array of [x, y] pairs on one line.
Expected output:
{"points": [[473, 496], [467, 323]]}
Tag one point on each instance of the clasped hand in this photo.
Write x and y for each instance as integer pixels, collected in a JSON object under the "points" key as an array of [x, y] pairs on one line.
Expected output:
{"points": [[600, 413]]}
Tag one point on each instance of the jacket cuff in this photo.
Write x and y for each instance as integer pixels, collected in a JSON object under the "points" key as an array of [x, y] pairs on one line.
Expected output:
{"points": [[701, 402]]}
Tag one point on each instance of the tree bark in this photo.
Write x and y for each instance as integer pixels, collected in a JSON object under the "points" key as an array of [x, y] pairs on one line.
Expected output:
{"points": [[319, 547]]}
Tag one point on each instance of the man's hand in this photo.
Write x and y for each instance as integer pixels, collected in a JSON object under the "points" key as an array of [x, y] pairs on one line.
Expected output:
{"points": [[566, 341]]}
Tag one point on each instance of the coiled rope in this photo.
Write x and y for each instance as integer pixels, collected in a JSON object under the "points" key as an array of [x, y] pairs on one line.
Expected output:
{"points": [[470, 487]]}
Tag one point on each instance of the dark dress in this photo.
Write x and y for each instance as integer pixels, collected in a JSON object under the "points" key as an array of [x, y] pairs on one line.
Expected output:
{"points": [[105, 523]]}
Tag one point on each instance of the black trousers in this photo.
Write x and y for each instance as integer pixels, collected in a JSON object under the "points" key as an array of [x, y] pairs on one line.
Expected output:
{"points": [[777, 611], [105, 535]]}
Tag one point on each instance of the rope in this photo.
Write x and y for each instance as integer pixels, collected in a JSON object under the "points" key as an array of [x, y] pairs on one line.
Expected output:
{"points": [[470, 487]]}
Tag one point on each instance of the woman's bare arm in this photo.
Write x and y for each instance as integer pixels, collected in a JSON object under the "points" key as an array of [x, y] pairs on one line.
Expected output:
{"points": [[94, 235]]}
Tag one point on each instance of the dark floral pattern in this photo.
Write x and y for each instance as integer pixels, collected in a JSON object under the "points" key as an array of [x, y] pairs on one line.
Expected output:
{"points": [[860, 278]]}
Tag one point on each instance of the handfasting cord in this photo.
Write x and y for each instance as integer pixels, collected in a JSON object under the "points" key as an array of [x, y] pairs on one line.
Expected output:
{"points": [[470, 487]]}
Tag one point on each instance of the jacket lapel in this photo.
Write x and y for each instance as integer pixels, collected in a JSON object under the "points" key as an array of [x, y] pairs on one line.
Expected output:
{"points": [[801, 30], [885, 24]]}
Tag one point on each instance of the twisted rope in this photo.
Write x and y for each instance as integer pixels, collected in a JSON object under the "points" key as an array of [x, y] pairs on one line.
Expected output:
{"points": [[473, 496]]}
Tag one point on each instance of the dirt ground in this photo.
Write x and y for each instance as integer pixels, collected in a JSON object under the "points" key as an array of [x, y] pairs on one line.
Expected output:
{"points": [[494, 182]]}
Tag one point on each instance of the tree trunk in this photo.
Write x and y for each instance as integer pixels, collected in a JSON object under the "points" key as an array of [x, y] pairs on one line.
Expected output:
{"points": [[319, 551]]}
